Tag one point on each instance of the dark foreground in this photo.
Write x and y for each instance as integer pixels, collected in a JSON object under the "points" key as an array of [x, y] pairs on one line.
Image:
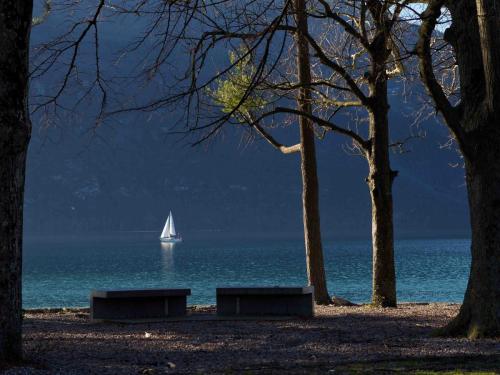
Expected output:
{"points": [[340, 340]]}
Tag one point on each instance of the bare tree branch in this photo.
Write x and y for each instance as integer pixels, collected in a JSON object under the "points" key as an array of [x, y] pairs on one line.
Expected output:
{"points": [[423, 50]]}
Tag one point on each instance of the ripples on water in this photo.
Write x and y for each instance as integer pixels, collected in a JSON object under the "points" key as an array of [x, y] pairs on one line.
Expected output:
{"points": [[61, 272]]}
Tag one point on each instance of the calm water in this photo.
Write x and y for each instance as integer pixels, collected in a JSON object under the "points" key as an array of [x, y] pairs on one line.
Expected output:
{"points": [[61, 271]]}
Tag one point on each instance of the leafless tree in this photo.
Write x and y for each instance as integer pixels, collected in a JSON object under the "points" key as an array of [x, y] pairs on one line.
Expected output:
{"points": [[356, 48], [310, 185], [233, 94], [357, 54]]}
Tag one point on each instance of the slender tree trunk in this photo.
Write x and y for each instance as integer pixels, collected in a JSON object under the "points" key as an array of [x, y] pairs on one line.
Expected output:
{"points": [[15, 25], [310, 194], [312, 227], [380, 184]]}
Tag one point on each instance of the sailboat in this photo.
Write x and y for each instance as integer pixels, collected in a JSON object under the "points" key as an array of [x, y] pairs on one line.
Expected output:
{"points": [[169, 234]]}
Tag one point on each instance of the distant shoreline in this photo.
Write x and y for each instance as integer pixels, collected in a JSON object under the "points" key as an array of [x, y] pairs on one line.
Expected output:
{"points": [[217, 234]]}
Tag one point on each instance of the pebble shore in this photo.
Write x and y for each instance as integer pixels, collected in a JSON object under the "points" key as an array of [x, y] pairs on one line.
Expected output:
{"points": [[64, 341]]}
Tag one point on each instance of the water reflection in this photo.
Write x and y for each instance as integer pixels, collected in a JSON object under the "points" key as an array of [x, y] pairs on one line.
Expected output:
{"points": [[167, 245], [167, 256]]}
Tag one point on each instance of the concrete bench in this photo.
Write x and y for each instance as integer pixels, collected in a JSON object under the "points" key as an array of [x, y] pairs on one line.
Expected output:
{"points": [[284, 301], [138, 304]]}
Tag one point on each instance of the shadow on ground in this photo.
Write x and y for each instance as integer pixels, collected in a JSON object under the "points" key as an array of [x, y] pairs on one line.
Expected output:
{"points": [[355, 340]]}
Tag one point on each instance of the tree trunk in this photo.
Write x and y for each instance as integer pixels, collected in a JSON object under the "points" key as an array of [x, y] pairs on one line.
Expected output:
{"points": [[479, 314], [15, 127], [380, 184], [312, 227], [310, 193], [383, 269], [478, 54], [381, 176]]}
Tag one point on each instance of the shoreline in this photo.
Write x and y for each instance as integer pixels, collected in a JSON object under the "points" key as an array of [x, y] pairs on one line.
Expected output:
{"points": [[203, 306], [65, 341]]}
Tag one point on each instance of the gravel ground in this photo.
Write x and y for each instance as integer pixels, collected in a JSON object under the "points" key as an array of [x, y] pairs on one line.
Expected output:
{"points": [[66, 342]]}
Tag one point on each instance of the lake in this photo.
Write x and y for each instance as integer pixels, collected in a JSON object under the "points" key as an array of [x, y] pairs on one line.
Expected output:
{"points": [[61, 271]]}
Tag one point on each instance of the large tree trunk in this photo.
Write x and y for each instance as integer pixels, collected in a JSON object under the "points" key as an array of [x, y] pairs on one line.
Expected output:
{"points": [[477, 49], [15, 25], [380, 184], [310, 194], [479, 314]]}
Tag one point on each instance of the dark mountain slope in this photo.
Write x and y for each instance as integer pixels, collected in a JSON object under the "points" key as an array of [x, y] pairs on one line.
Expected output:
{"points": [[127, 177]]}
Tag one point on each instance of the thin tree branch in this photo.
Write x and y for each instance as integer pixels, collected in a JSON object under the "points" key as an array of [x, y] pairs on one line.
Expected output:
{"points": [[269, 138], [359, 140]]}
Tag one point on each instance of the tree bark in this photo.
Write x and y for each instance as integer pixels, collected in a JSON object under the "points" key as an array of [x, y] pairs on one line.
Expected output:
{"points": [[380, 184], [15, 128], [381, 177], [489, 23], [310, 185], [479, 314]]}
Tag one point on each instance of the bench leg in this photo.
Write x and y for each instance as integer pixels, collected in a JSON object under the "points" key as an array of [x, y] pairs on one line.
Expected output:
{"points": [[284, 305], [137, 308]]}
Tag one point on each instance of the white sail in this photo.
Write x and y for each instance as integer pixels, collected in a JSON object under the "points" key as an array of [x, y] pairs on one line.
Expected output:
{"points": [[166, 228], [169, 235], [172, 226]]}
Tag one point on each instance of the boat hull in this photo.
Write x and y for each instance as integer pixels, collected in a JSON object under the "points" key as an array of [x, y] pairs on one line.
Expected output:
{"points": [[170, 240]]}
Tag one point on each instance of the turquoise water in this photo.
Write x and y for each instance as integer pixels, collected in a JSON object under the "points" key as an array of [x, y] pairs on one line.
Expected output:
{"points": [[62, 271]]}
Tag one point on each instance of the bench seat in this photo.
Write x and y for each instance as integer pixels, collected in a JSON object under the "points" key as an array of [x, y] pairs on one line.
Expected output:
{"points": [[137, 304], [283, 301]]}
